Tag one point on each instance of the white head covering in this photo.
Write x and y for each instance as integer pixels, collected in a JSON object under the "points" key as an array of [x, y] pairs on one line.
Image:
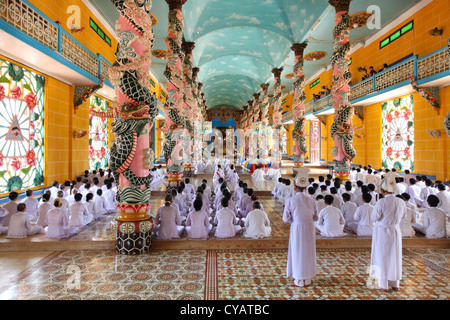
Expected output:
{"points": [[388, 183], [302, 177]]}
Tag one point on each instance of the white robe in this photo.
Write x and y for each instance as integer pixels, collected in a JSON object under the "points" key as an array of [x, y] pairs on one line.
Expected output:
{"points": [[386, 255], [348, 210], [257, 225], [43, 209], [57, 224], [363, 226], [20, 226], [331, 222], [434, 224], [444, 201], [32, 206], [78, 214], [300, 212], [197, 225], [225, 221], [169, 223], [258, 175], [406, 223]]}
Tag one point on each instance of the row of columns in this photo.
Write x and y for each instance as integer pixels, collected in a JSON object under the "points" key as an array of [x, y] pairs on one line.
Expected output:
{"points": [[185, 106]]}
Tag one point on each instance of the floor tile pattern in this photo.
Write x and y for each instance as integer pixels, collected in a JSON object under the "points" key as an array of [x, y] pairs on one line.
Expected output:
{"points": [[222, 275]]}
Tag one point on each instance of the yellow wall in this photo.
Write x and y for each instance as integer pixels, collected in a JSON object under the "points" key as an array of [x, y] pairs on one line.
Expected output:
{"points": [[418, 41], [432, 155], [57, 11]]}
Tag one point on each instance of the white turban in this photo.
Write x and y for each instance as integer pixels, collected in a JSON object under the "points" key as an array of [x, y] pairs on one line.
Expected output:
{"points": [[302, 177], [388, 183]]}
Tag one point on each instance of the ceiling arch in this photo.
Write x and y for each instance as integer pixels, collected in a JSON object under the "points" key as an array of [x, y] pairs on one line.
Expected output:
{"points": [[229, 33], [256, 42]]}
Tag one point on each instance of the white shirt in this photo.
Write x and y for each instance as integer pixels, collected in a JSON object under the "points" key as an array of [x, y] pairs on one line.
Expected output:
{"points": [[331, 222], [434, 221], [444, 201], [32, 206], [365, 223], [257, 224]]}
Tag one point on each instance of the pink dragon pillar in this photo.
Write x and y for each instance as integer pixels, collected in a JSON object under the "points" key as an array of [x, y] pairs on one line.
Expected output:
{"points": [[175, 124], [277, 121], [189, 103], [130, 155], [298, 108], [342, 129]]}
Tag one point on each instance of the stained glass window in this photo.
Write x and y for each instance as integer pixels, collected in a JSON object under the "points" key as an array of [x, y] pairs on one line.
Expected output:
{"points": [[98, 135], [398, 134], [21, 128]]}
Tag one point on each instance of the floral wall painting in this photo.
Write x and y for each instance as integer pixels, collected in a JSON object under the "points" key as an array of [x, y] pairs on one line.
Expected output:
{"points": [[21, 128], [398, 134], [98, 134]]}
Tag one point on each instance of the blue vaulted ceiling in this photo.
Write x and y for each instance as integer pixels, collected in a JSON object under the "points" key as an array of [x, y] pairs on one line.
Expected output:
{"points": [[239, 42]]}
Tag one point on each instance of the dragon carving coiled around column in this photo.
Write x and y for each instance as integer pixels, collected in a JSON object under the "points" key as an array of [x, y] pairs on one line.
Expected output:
{"points": [[136, 107], [298, 133], [341, 129], [175, 123]]}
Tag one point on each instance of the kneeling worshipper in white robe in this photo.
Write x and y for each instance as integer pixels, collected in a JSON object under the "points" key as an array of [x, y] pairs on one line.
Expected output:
{"points": [[57, 221], [168, 221], [408, 219], [258, 174], [444, 198], [226, 222], [199, 167], [434, 220], [331, 222], [20, 224], [32, 205], [209, 168], [277, 187], [300, 212], [78, 214], [257, 224], [386, 253], [43, 209], [197, 222], [363, 225], [273, 174]]}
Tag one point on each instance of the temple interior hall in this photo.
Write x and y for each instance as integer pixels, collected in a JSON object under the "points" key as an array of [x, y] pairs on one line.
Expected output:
{"points": [[142, 99]]}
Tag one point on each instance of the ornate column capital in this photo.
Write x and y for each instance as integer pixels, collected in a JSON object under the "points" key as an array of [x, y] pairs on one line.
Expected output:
{"points": [[339, 5], [195, 71], [256, 96], [299, 48], [175, 4], [200, 85], [277, 72], [188, 47], [265, 86]]}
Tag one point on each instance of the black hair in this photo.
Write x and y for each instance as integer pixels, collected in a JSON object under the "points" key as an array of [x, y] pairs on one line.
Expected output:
{"points": [[198, 204], [367, 197], [432, 200], [329, 199], [21, 207], [13, 195], [224, 202]]}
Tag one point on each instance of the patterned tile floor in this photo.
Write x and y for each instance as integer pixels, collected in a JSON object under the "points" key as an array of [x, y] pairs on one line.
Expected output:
{"points": [[221, 275]]}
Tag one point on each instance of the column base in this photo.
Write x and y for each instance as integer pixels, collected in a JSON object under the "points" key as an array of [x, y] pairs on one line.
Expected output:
{"points": [[188, 170], [174, 180], [134, 237], [342, 175]]}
